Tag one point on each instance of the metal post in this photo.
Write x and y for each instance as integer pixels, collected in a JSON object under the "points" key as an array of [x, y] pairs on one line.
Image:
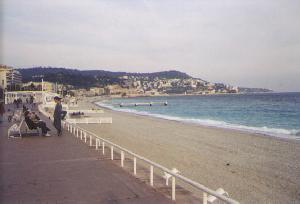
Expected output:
{"points": [[68, 127], [122, 159], [112, 152], [74, 131], [134, 165], [103, 148], [151, 175], [204, 198], [81, 134], [85, 137], [173, 188], [77, 132], [71, 128], [91, 141]]}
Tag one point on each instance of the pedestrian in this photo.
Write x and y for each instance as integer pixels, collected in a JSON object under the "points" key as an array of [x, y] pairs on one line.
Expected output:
{"points": [[2, 111], [16, 103], [57, 115]]}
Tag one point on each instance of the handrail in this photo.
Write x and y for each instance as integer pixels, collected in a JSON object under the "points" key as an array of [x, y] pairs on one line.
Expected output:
{"points": [[182, 178]]}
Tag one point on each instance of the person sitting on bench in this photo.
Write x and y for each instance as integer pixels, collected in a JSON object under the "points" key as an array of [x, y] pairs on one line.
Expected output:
{"points": [[34, 122]]}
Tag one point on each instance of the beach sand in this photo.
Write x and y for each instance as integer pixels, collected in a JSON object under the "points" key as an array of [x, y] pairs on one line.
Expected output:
{"points": [[252, 168]]}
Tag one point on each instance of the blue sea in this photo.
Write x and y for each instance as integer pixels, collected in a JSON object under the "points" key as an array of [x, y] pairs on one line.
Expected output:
{"points": [[274, 114]]}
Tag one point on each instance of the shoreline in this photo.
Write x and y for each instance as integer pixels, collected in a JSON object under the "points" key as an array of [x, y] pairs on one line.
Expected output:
{"points": [[245, 131], [225, 125], [196, 94], [252, 168]]}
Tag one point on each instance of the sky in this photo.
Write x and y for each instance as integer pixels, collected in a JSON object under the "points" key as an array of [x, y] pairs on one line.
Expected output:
{"points": [[243, 43]]}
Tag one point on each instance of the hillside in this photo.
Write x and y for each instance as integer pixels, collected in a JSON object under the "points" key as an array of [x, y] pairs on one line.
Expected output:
{"points": [[88, 78]]}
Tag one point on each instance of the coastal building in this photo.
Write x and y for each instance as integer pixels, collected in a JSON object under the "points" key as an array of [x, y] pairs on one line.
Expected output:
{"points": [[4, 70], [13, 77], [9, 79], [47, 86], [96, 91]]}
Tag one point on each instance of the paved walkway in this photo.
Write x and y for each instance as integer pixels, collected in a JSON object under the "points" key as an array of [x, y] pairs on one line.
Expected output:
{"points": [[54, 169]]}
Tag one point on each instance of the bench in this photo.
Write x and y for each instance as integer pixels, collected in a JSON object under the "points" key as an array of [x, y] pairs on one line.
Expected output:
{"points": [[18, 129], [15, 128]]}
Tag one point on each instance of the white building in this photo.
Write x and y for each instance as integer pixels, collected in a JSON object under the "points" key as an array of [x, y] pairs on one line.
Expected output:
{"points": [[13, 77], [3, 75], [9, 76]]}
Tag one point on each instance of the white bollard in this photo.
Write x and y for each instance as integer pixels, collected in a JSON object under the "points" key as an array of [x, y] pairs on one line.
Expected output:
{"points": [[96, 144], [122, 159], [204, 198], [91, 140], [103, 148], [71, 128], [134, 165], [85, 137], [112, 152], [173, 188], [77, 133], [151, 175], [81, 134]]}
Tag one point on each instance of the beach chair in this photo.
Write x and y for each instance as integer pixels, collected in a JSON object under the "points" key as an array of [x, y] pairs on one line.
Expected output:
{"points": [[168, 176], [221, 191], [16, 129]]}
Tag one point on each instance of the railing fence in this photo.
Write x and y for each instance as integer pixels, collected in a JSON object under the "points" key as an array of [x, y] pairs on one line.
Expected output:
{"points": [[72, 128]]}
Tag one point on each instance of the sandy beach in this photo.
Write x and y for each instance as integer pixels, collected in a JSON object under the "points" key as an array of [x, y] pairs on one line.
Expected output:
{"points": [[252, 168]]}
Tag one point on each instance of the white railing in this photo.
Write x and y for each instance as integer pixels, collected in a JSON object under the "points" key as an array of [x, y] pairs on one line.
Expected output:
{"points": [[86, 111], [97, 120], [84, 134]]}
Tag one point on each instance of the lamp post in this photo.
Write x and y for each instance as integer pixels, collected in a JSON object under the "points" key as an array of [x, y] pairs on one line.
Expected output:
{"points": [[43, 100]]}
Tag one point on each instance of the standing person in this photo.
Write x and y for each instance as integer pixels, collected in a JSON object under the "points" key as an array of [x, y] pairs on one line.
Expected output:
{"points": [[57, 115], [2, 111], [31, 101], [15, 103]]}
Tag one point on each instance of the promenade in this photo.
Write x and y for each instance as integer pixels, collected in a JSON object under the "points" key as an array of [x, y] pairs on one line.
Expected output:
{"points": [[55, 169]]}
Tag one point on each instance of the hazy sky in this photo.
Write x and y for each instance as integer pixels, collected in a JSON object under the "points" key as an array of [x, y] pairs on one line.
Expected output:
{"points": [[252, 43]]}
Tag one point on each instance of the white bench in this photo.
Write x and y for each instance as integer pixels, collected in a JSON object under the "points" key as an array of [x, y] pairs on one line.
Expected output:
{"points": [[18, 129]]}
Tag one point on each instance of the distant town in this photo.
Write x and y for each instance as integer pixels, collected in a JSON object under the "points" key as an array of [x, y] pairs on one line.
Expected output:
{"points": [[116, 84]]}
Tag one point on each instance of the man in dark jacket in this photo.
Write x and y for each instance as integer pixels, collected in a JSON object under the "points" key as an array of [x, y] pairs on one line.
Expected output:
{"points": [[57, 115], [33, 122]]}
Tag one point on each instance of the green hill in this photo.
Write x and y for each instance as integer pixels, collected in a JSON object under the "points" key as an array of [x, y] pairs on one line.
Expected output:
{"points": [[89, 78]]}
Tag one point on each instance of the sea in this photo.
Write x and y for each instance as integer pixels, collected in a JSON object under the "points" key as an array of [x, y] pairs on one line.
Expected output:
{"points": [[272, 114]]}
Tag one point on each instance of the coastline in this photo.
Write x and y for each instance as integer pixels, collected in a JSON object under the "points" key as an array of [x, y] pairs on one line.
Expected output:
{"points": [[292, 134], [190, 94], [253, 168]]}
